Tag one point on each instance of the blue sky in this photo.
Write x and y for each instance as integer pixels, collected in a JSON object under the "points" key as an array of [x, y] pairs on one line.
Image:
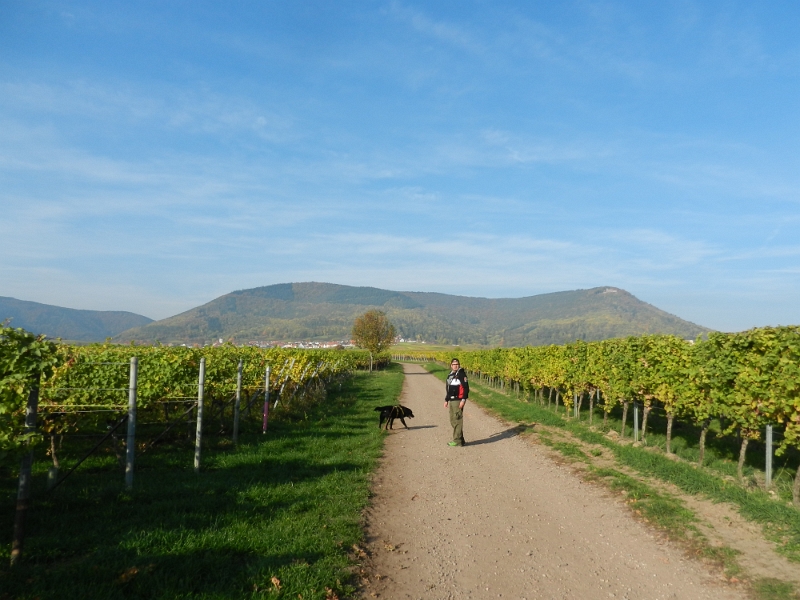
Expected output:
{"points": [[155, 155]]}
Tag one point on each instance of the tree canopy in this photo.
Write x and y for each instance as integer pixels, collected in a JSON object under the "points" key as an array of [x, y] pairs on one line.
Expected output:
{"points": [[373, 331]]}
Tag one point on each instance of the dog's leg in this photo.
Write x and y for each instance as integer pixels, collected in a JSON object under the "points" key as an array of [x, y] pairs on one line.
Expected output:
{"points": [[403, 421]]}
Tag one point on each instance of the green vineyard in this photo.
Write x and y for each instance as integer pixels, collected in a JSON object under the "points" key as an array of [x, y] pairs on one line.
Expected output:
{"points": [[79, 386]]}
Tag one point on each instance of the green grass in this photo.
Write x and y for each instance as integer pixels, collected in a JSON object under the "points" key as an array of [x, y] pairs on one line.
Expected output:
{"points": [[773, 589], [663, 510], [286, 505]]}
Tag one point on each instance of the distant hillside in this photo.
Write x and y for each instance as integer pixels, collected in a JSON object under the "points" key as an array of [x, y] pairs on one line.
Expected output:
{"points": [[68, 323], [324, 311]]}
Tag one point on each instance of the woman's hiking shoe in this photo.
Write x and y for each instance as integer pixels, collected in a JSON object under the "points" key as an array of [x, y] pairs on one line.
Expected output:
{"points": [[453, 444]]}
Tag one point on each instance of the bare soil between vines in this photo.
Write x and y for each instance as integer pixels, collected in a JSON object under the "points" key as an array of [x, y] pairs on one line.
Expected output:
{"points": [[505, 518]]}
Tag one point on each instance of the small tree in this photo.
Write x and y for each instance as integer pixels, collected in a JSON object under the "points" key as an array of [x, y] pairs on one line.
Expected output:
{"points": [[373, 331]]}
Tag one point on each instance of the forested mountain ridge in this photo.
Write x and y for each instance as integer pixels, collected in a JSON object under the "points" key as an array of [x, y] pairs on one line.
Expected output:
{"points": [[68, 323], [324, 311]]}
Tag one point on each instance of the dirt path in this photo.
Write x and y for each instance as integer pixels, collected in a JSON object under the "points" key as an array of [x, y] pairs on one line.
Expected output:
{"points": [[498, 519]]}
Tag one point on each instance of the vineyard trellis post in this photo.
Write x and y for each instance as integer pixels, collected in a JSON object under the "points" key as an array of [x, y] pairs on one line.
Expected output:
{"points": [[130, 448], [24, 491], [198, 440], [768, 466], [635, 421], [265, 422], [237, 403]]}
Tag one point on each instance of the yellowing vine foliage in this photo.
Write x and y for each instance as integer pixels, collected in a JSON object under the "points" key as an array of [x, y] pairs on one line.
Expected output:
{"points": [[749, 379], [96, 377]]}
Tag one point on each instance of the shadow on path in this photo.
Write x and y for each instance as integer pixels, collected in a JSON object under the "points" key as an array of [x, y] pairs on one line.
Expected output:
{"points": [[502, 435]]}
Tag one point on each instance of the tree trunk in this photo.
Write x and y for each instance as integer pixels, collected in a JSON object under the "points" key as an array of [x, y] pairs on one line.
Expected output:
{"points": [[580, 405], [669, 433], [119, 450], [624, 418], [605, 414], [742, 452], [370, 362], [52, 473], [796, 489], [549, 397], [591, 406], [703, 433], [558, 395], [644, 423]]}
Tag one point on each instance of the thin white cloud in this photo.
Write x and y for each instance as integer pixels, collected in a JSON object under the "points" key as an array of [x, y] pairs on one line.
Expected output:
{"points": [[440, 30], [120, 102]]}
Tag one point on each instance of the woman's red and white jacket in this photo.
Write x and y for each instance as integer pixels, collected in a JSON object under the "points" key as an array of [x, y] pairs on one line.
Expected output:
{"points": [[457, 386]]}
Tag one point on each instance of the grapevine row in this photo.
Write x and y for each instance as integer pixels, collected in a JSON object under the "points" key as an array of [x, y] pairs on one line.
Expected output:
{"points": [[93, 378], [748, 380]]}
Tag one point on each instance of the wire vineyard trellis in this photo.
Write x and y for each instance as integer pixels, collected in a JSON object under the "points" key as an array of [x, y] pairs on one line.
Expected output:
{"points": [[55, 392]]}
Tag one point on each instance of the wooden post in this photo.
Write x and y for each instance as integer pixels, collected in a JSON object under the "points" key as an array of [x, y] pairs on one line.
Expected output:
{"points": [[266, 403], [24, 490], [635, 421], [624, 418], [238, 402], [130, 448], [198, 440]]}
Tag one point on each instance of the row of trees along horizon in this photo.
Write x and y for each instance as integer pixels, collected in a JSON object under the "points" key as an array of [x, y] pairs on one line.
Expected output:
{"points": [[747, 380]]}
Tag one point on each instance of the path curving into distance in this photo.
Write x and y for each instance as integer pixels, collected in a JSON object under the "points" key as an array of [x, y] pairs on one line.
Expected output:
{"points": [[499, 519]]}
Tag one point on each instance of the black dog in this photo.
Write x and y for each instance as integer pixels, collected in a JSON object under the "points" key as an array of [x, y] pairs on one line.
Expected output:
{"points": [[390, 413]]}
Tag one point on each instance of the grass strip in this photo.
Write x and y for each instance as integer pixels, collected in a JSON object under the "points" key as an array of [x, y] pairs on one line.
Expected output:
{"points": [[781, 523], [660, 509], [774, 589], [275, 517]]}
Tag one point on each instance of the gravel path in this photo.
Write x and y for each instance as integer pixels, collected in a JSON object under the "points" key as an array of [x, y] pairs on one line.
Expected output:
{"points": [[499, 519]]}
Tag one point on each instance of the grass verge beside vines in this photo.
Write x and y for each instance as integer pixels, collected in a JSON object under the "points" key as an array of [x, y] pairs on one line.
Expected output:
{"points": [[275, 517], [781, 523]]}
